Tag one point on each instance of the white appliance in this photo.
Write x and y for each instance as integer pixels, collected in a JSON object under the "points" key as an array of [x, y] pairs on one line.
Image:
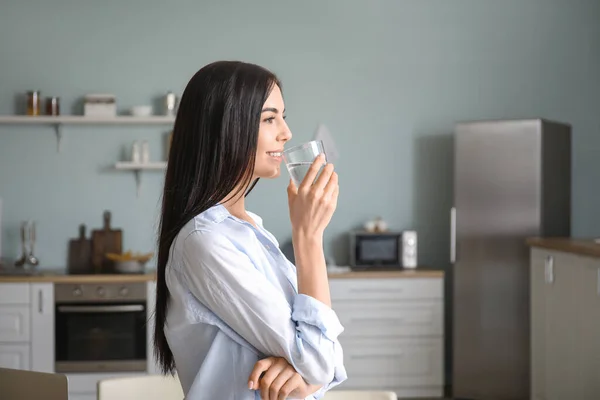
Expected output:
{"points": [[409, 249]]}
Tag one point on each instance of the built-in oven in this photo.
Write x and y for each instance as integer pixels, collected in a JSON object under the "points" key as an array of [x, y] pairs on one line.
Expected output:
{"points": [[100, 327]]}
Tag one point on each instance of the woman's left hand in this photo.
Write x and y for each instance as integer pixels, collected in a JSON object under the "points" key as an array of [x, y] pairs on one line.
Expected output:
{"points": [[280, 380]]}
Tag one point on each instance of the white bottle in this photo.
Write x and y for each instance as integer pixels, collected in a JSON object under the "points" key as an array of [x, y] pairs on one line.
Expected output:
{"points": [[135, 152]]}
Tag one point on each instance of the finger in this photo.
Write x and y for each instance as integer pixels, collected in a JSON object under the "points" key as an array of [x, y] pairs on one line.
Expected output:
{"points": [[331, 187], [279, 381], [292, 191], [292, 384], [310, 176], [273, 372], [335, 196], [324, 178], [260, 367]]}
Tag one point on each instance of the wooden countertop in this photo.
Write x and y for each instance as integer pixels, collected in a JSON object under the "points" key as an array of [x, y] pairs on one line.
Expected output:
{"points": [[61, 277], [584, 247], [405, 273]]}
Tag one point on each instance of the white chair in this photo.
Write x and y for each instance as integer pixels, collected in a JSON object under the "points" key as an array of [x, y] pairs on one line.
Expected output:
{"points": [[143, 387], [359, 395]]}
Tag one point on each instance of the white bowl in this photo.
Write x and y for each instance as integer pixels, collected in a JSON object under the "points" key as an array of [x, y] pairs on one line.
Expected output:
{"points": [[130, 267], [141, 111]]}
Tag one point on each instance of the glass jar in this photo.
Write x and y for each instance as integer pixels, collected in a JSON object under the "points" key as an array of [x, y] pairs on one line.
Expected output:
{"points": [[33, 102], [53, 106]]}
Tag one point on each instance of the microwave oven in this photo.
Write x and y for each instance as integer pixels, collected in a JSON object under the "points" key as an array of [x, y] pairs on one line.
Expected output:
{"points": [[383, 250]]}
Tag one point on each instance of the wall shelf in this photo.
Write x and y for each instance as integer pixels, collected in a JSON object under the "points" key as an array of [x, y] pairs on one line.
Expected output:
{"points": [[59, 121], [133, 166], [138, 167]]}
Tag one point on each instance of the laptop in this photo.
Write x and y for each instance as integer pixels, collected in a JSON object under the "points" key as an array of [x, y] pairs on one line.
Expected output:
{"points": [[29, 385]]}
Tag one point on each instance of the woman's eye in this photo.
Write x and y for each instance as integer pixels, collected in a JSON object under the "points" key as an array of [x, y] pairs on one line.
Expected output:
{"points": [[270, 120]]}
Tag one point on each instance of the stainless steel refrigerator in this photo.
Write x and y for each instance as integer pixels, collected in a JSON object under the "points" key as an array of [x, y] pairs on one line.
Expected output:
{"points": [[512, 180]]}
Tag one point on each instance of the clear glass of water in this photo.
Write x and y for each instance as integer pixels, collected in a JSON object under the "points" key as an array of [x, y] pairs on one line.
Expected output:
{"points": [[298, 159]]}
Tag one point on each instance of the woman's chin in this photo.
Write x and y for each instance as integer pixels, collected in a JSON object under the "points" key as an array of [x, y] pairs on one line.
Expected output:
{"points": [[270, 174]]}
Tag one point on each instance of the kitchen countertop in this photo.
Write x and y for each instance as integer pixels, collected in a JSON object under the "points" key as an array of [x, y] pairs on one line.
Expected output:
{"points": [[584, 247], [58, 276]]}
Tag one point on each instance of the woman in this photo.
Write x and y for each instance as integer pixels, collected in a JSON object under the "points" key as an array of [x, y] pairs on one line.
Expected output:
{"points": [[234, 317]]}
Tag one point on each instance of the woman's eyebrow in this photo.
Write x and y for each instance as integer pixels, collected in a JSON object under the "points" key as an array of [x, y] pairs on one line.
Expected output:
{"points": [[271, 109]]}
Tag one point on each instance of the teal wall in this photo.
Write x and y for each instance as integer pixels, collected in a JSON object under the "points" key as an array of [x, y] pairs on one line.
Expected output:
{"points": [[389, 79]]}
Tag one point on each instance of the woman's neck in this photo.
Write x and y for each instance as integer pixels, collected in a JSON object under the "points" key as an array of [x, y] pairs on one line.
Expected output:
{"points": [[237, 206]]}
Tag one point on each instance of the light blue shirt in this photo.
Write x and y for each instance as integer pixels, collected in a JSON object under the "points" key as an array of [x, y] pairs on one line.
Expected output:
{"points": [[233, 301]]}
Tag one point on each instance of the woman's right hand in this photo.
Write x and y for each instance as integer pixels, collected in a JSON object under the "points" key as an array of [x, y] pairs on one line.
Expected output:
{"points": [[312, 205]]}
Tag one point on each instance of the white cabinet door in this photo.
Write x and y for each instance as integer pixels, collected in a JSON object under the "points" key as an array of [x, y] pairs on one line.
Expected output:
{"points": [[14, 293], [391, 318], [42, 327], [589, 329], [364, 290], [561, 332], [15, 356], [14, 323], [395, 362]]}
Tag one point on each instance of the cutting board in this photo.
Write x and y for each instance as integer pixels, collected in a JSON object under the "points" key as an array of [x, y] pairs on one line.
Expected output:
{"points": [[105, 240], [80, 254]]}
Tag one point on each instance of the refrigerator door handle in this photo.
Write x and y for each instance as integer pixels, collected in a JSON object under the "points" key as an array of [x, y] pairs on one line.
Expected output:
{"points": [[453, 235]]}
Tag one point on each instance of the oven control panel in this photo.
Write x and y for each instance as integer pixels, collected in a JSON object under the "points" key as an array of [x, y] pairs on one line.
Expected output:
{"points": [[87, 292]]}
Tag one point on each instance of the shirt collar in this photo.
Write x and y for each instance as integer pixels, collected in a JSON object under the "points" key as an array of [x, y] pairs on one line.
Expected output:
{"points": [[217, 213]]}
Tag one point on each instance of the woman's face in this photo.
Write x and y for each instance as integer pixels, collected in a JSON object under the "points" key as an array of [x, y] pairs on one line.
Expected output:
{"points": [[273, 133]]}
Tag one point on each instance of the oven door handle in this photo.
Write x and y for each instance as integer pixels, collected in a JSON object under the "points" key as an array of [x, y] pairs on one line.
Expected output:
{"points": [[101, 309]]}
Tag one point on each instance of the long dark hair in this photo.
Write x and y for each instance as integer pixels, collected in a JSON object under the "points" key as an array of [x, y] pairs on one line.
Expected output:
{"points": [[212, 153]]}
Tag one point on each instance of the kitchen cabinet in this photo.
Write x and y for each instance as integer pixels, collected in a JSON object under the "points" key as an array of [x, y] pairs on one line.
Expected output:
{"points": [[42, 327], [14, 356], [393, 335], [589, 328], [14, 323], [27, 326], [539, 278], [565, 325]]}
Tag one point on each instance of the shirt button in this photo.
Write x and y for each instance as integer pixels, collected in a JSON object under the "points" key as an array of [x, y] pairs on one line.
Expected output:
{"points": [[268, 247]]}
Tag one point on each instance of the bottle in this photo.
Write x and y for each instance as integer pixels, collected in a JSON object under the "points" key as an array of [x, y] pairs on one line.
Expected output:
{"points": [[135, 152], [33, 102], [170, 104], [53, 106]]}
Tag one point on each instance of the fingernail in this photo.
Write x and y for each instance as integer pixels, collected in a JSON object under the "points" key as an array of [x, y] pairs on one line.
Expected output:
{"points": [[250, 385]]}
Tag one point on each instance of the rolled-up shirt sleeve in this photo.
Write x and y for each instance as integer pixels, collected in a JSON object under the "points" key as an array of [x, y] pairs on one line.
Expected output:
{"points": [[225, 280]]}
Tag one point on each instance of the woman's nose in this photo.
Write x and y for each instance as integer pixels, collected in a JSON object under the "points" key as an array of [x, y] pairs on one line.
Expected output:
{"points": [[286, 134]]}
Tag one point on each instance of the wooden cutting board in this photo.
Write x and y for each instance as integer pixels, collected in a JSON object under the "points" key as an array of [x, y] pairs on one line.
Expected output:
{"points": [[80, 254], [105, 240]]}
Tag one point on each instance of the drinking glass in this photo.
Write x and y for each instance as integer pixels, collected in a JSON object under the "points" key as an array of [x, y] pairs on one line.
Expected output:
{"points": [[298, 159]]}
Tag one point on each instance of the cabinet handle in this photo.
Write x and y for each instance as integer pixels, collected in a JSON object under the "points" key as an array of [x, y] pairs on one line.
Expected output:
{"points": [[40, 302], [549, 269]]}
